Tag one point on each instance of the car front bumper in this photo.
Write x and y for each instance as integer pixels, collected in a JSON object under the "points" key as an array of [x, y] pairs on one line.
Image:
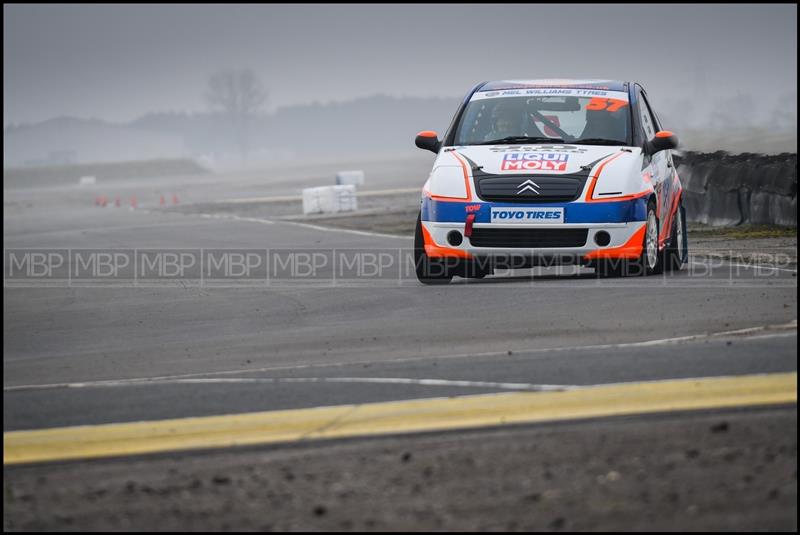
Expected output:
{"points": [[623, 220], [625, 240]]}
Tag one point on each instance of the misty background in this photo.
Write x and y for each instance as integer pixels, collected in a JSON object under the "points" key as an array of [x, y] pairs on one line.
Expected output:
{"points": [[101, 83]]}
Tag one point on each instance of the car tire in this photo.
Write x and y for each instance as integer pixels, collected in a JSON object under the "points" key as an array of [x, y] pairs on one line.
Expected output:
{"points": [[476, 268], [607, 269], [677, 253], [651, 261], [429, 271]]}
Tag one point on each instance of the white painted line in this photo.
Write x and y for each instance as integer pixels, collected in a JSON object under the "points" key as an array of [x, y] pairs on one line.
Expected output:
{"points": [[253, 220], [762, 332], [365, 380], [305, 225], [441, 382], [344, 230], [785, 326], [233, 217], [760, 267], [289, 198]]}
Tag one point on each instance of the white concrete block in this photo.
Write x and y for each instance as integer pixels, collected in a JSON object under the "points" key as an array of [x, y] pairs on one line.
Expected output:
{"points": [[350, 177], [329, 199], [87, 181]]}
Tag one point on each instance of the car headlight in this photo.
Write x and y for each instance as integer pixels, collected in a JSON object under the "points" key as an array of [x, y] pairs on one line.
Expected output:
{"points": [[448, 181]]}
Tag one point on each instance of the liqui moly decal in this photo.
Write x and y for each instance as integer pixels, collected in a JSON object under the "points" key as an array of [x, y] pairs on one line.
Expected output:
{"points": [[534, 161]]}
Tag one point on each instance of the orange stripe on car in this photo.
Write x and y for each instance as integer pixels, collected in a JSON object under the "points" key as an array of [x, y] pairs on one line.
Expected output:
{"points": [[631, 250], [632, 196], [437, 251], [672, 214], [443, 198], [466, 173], [597, 175]]}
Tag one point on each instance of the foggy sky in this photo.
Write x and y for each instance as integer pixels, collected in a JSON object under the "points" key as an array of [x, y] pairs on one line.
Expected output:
{"points": [[117, 62]]}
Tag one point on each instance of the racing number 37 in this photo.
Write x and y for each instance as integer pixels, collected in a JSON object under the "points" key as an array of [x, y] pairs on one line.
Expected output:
{"points": [[607, 104]]}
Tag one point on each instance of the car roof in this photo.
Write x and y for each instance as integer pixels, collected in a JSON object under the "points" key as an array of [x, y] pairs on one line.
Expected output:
{"points": [[608, 85]]}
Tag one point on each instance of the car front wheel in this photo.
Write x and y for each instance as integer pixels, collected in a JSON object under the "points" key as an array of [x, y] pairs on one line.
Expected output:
{"points": [[651, 261], [429, 271], [678, 250]]}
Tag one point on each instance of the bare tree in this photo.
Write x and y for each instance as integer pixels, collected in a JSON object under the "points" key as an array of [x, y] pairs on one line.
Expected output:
{"points": [[238, 95]]}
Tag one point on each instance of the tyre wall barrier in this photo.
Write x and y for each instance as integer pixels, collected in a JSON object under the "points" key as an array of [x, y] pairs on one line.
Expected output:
{"points": [[724, 189]]}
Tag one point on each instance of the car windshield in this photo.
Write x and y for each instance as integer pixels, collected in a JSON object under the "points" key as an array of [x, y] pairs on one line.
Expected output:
{"points": [[570, 116]]}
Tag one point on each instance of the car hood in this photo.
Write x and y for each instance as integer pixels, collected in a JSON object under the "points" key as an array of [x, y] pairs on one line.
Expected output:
{"points": [[540, 159]]}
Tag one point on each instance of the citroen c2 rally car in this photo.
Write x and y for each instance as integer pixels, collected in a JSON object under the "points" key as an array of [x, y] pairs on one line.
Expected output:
{"points": [[550, 172]]}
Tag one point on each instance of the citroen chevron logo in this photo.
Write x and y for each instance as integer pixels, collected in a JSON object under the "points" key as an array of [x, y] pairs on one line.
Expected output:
{"points": [[528, 185]]}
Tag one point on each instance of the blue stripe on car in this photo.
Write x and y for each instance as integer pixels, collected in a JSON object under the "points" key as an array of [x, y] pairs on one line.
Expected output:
{"points": [[574, 212]]}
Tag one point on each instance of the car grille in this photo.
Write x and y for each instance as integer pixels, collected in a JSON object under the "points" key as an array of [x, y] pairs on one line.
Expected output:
{"points": [[530, 189], [528, 237]]}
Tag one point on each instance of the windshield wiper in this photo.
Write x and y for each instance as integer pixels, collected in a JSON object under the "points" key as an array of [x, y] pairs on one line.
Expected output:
{"points": [[599, 141], [522, 139]]}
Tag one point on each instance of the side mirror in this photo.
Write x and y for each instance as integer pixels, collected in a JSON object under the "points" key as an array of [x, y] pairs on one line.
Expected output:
{"points": [[428, 140], [664, 140]]}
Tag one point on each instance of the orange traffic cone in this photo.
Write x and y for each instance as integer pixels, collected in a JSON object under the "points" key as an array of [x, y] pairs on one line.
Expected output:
{"points": [[174, 198], [162, 201], [116, 201], [134, 204]]}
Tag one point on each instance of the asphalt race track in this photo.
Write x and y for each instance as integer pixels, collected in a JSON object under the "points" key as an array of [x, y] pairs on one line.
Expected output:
{"points": [[79, 353]]}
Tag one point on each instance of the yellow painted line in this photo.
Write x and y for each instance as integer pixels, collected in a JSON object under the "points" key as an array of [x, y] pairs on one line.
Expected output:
{"points": [[395, 417]]}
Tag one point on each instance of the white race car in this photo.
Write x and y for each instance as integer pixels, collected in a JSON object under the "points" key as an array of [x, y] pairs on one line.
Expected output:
{"points": [[546, 172]]}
